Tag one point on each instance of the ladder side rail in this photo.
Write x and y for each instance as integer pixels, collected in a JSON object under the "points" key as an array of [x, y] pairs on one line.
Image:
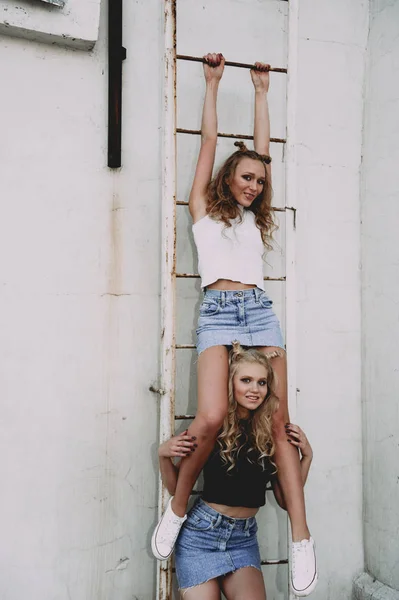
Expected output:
{"points": [[168, 292]]}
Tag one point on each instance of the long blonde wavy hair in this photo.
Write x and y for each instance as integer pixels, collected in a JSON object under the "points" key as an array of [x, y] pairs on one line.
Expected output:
{"points": [[222, 206], [258, 440]]}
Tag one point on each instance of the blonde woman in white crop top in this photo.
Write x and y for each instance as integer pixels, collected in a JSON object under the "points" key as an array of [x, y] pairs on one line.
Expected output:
{"points": [[233, 226]]}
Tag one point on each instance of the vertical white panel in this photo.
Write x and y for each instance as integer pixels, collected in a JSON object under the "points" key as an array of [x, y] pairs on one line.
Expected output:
{"points": [[380, 294]]}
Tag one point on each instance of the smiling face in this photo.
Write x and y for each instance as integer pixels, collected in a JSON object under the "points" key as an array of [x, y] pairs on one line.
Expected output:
{"points": [[248, 181], [249, 387]]}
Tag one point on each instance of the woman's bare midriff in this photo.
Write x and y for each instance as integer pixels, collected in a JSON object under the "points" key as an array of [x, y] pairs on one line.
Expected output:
{"points": [[235, 512], [226, 285]]}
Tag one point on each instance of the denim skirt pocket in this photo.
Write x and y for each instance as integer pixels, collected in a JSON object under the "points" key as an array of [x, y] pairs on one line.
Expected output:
{"points": [[265, 301], [209, 308], [253, 528], [198, 523]]}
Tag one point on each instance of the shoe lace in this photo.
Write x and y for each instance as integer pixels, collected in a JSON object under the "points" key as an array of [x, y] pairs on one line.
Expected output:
{"points": [[171, 527], [298, 551]]}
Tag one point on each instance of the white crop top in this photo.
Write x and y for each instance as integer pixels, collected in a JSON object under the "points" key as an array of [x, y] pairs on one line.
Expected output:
{"points": [[234, 252]]}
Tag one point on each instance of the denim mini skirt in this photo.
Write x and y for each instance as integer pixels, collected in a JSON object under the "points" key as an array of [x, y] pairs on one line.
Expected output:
{"points": [[243, 315], [211, 545]]}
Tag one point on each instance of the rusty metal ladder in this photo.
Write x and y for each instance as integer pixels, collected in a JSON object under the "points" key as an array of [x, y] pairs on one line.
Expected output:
{"points": [[168, 417]]}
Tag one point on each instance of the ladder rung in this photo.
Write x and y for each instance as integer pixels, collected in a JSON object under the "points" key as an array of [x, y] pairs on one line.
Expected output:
{"points": [[274, 208], [184, 417], [196, 276], [228, 63], [184, 346], [198, 492], [238, 136], [283, 561]]}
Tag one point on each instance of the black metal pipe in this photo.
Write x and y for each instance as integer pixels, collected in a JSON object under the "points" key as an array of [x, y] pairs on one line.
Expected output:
{"points": [[116, 55]]}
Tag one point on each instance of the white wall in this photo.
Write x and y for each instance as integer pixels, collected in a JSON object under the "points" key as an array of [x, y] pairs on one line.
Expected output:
{"points": [[331, 62], [380, 287], [80, 265], [80, 269]]}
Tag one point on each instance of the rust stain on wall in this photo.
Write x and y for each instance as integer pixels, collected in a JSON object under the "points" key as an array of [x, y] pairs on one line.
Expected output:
{"points": [[116, 252]]}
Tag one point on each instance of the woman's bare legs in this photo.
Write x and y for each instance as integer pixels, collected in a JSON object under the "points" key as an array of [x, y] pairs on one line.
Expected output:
{"points": [[244, 584], [303, 558], [287, 457], [206, 591], [213, 368]]}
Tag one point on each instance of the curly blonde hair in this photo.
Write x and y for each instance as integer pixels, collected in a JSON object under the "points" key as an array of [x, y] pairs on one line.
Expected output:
{"points": [[222, 205], [258, 439]]}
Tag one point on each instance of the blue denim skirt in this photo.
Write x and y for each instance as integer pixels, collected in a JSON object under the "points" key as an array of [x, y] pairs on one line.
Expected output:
{"points": [[243, 315], [211, 545]]}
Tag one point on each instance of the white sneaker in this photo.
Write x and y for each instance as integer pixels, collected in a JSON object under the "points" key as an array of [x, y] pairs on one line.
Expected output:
{"points": [[303, 567], [166, 532]]}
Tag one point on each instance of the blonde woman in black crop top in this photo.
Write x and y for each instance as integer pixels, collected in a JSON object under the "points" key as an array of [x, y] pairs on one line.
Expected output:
{"points": [[217, 548], [233, 225]]}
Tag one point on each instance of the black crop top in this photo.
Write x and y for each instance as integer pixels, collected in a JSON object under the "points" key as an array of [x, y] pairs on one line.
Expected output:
{"points": [[244, 485]]}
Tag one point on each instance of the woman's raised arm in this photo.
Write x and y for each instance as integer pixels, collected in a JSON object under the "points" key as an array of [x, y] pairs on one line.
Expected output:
{"points": [[260, 79], [213, 71]]}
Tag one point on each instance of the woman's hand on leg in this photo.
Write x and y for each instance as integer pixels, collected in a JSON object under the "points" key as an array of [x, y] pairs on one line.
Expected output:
{"points": [[181, 445], [297, 437]]}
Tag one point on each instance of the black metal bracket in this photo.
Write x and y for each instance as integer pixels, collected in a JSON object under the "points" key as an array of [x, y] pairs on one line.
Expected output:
{"points": [[116, 56]]}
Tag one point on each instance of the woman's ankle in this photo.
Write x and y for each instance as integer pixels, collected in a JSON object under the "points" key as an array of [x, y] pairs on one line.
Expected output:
{"points": [[300, 533], [178, 509]]}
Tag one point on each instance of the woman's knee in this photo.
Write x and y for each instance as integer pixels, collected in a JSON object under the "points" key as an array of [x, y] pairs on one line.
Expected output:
{"points": [[209, 423]]}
